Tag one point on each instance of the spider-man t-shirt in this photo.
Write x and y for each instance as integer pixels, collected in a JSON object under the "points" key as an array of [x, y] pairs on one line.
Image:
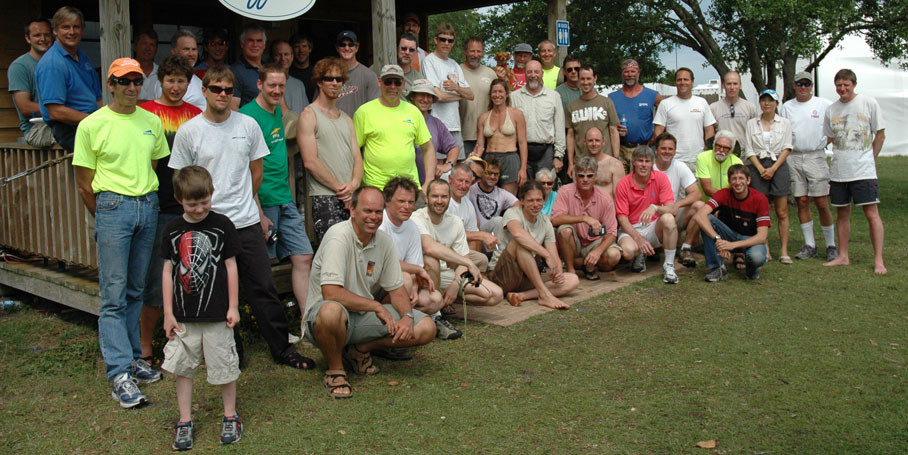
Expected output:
{"points": [[197, 252]]}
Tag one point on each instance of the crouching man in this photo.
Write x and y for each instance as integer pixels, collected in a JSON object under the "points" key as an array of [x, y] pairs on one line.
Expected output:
{"points": [[742, 225], [355, 270]]}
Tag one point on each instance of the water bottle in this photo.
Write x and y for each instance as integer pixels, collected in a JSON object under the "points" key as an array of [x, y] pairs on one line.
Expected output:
{"points": [[624, 124], [11, 304]]}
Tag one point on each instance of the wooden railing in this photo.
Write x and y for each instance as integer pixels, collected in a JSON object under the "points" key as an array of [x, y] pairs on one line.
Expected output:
{"points": [[42, 213]]}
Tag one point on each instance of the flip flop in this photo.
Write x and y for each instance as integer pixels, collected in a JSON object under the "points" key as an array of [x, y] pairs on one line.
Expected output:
{"points": [[590, 275], [785, 260]]}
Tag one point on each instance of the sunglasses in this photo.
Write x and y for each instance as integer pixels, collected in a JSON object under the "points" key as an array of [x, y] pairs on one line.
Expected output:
{"points": [[585, 176], [722, 148], [217, 89], [547, 183], [492, 174], [571, 69], [445, 40], [125, 81], [803, 84], [347, 44], [407, 49], [392, 82], [332, 79], [731, 110], [217, 43]]}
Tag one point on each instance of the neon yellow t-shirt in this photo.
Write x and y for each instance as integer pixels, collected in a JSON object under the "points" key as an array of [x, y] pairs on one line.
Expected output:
{"points": [[716, 172], [550, 77], [389, 136], [120, 148]]}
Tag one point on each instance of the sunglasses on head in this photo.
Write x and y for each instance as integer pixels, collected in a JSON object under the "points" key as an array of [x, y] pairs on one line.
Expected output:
{"points": [[395, 82], [445, 40], [332, 79], [217, 89], [803, 84], [125, 81]]}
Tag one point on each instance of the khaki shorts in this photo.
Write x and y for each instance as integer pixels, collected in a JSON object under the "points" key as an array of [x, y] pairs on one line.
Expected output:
{"points": [[212, 341], [583, 251], [508, 275], [361, 326], [626, 153], [809, 174], [648, 232]]}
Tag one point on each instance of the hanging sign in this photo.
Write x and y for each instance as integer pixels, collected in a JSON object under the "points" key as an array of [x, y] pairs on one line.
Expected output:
{"points": [[269, 10]]}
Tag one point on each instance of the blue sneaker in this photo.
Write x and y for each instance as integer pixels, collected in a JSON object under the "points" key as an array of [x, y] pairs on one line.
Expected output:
{"points": [[143, 373], [182, 436], [231, 430], [127, 392]]}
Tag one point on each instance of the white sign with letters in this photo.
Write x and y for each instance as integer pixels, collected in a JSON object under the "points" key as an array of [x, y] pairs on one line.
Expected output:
{"points": [[269, 10]]}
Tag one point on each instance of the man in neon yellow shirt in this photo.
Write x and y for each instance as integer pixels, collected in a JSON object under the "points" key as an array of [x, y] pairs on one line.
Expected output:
{"points": [[551, 73], [389, 131], [116, 149]]}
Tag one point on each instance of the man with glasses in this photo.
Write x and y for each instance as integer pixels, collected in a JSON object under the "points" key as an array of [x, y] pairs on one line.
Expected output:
{"points": [[361, 85], [330, 152], [116, 149], [636, 105], [808, 166], [644, 201], [479, 77], [411, 26], [68, 86], [406, 54], [450, 84], [490, 200], [231, 146], [587, 228], [733, 112], [389, 130], [246, 68], [570, 89], [215, 47]]}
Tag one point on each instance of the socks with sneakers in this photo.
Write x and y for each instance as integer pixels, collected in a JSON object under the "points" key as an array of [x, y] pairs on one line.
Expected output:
{"points": [[829, 233], [807, 230], [670, 257], [685, 246]]}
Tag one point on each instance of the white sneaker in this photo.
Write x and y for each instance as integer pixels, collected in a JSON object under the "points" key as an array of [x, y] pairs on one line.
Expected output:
{"points": [[668, 274]]}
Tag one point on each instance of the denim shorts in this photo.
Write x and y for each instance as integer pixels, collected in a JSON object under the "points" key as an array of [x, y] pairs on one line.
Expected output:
{"points": [[292, 239]]}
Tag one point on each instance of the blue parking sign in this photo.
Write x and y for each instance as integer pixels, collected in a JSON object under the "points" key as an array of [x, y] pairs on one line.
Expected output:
{"points": [[563, 33]]}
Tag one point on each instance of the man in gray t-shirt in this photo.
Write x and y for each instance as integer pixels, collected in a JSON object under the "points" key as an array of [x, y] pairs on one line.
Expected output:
{"points": [[362, 83]]}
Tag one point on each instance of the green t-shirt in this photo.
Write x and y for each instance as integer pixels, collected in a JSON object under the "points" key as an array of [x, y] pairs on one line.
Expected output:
{"points": [[275, 188], [120, 149], [389, 136], [716, 172]]}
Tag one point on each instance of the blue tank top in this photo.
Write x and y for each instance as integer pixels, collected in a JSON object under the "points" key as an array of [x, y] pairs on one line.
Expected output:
{"points": [[639, 113]]}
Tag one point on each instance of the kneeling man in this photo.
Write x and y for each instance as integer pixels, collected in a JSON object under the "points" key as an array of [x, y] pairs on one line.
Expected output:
{"points": [[585, 218], [528, 262], [446, 252], [644, 202], [356, 268], [742, 225]]}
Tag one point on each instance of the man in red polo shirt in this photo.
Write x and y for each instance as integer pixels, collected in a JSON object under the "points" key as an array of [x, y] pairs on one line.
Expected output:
{"points": [[643, 202]]}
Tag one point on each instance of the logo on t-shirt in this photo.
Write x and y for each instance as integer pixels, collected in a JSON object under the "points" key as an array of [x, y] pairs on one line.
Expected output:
{"points": [[589, 114], [347, 90]]}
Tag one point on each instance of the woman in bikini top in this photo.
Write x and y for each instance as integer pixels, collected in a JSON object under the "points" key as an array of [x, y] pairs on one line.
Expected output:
{"points": [[502, 129]]}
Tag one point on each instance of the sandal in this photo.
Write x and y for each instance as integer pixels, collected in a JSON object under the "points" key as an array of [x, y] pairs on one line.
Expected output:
{"points": [[448, 312], [337, 379], [296, 360], [590, 275], [740, 261], [785, 260], [360, 362]]}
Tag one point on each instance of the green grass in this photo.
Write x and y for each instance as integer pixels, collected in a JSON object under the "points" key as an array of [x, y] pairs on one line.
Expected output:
{"points": [[806, 360]]}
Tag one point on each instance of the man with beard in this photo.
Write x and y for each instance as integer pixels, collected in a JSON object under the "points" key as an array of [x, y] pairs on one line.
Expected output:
{"points": [[541, 107], [687, 117], [295, 98], [636, 106], [21, 75], [523, 53], [479, 77]]}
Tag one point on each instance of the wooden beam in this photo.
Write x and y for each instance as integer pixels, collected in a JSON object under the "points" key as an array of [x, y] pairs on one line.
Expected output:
{"points": [[115, 35], [384, 31], [557, 11]]}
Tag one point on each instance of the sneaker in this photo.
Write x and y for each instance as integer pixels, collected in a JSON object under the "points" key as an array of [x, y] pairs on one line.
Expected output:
{"points": [[446, 331], [182, 436], [143, 373], [807, 252], [668, 274], [231, 430], [687, 258], [639, 264], [293, 339], [831, 253], [127, 392], [719, 273]]}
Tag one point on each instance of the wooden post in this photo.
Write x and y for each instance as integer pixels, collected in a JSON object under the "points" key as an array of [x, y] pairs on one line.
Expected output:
{"points": [[557, 11], [384, 31], [114, 36]]}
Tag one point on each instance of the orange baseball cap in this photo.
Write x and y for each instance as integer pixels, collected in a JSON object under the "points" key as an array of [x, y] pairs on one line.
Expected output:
{"points": [[123, 66]]}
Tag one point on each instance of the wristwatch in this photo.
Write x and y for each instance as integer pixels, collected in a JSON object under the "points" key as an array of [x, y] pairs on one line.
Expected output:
{"points": [[718, 237], [449, 163], [409, 313]]}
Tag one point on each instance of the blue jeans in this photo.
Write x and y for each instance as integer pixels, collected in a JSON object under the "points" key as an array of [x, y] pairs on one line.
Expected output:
{"points": [[755, 256], [124, 231]]}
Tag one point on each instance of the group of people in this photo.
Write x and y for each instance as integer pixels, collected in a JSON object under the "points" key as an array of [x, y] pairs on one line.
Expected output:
{"points": [[428, 184]]}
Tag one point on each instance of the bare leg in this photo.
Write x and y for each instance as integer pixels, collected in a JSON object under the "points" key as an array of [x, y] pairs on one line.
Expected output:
{"points": [[487, 294], [567, 249], [804, 215], [872, 212], [781, 205], [184, 398], [423, 333], [510, 187], [822, 203], [148, 321], [843, 225], [433, 268], [299, 279], [331, 333], [628, 248], [667, 231], [228, 393], [528, 265]]}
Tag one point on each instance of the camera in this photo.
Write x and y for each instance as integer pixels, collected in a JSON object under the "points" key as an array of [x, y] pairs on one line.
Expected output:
{"points": [[272, 236], [601, 231], [468, 277]]}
